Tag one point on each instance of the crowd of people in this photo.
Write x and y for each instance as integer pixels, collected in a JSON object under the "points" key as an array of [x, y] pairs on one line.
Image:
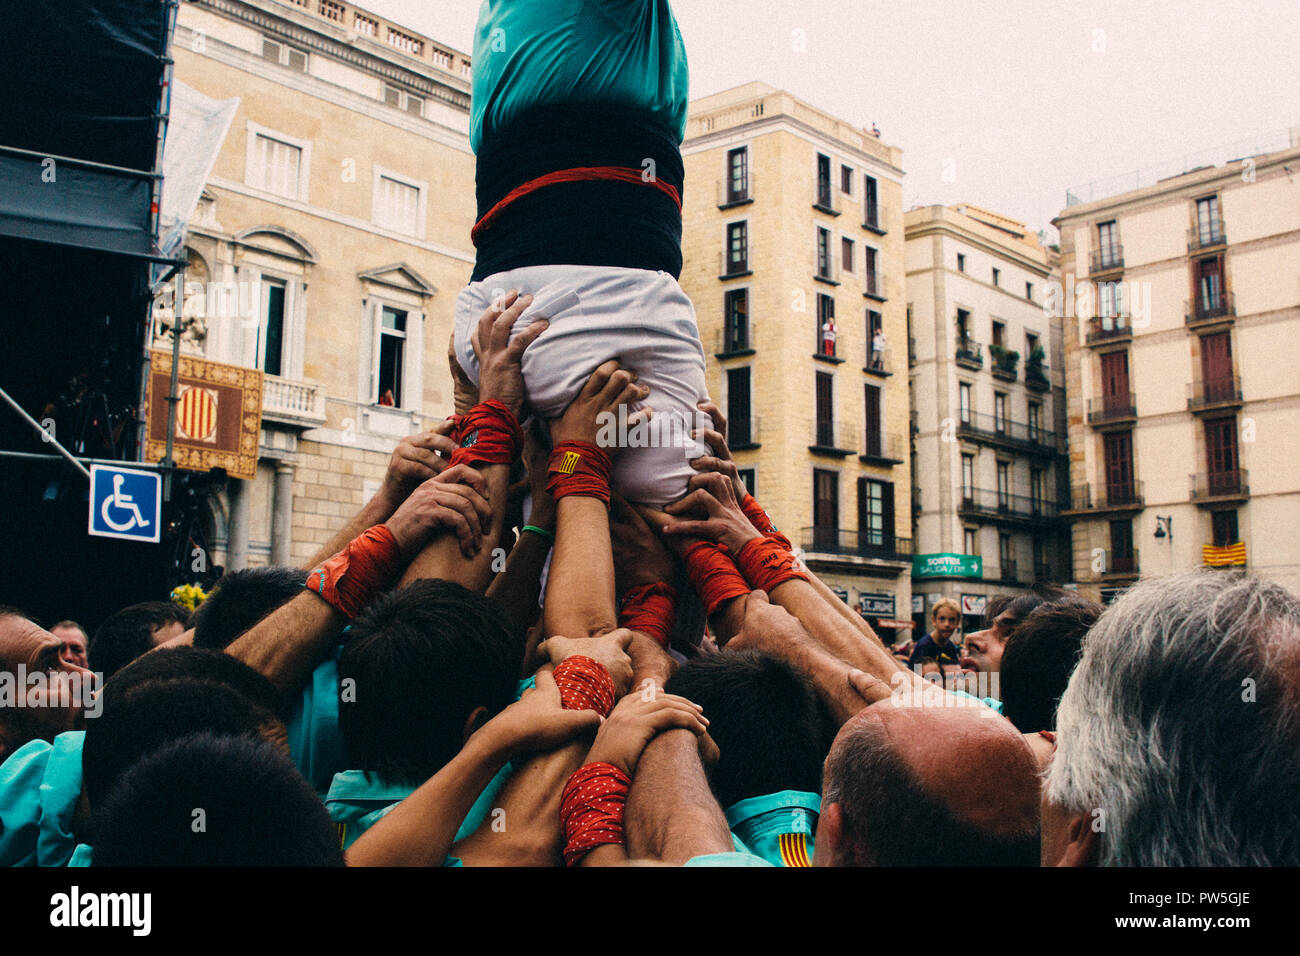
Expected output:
{"points": [[500, 661]]}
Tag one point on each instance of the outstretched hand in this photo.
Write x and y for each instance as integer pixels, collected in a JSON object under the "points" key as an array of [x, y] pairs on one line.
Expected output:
{"points": [[499, 356]]}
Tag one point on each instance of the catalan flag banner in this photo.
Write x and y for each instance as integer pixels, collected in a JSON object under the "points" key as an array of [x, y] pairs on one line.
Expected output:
{"points": [[218, 414], [1224, 557]]}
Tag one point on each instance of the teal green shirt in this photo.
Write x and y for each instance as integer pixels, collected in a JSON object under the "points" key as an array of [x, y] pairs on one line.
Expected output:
{"points": [[40, 784], [779, 827], [546, 52], [315, 741], [990, 702]]}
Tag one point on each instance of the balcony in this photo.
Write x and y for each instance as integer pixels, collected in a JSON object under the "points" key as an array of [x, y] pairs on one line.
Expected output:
{"points": [[734, 342], [1121, 564], [986, 503], [1206, 237], [833, 439], [1005, 363], [1112, 496], [867, 544], [1106, 260], [969, 354], [1008, 434], [729, 196], [824, 197], [1036, 376], [1214, 394], [1007, 572], [871, 218], [1109, 330], [884, 450], [730, 267], [300, 404], [879, 363], [1112, 411], [1220, 487], [1210, 309]]}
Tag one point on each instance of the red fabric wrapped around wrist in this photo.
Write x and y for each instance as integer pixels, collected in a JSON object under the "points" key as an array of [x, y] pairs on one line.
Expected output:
{"points": [[579, 468], [760, 520], [489, 434], [585, 684], [591, 809], [714, 575], [766, 564], [650, 609], [369, 564]]}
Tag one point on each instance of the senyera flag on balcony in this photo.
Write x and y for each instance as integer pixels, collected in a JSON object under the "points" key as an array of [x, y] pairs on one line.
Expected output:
{"points": [[1225, 556], [218, 415]]}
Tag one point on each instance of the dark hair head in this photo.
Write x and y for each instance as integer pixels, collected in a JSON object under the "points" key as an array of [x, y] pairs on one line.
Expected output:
{"points": [[210, 800], [890, 820], [240, 600], [418, 661], [1019, 605], [770, 727], [127, 634], [166, 695], [1039, 658]]}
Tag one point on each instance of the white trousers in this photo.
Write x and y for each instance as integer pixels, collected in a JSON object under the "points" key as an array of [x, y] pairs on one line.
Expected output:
{"points": [[597, 313]]}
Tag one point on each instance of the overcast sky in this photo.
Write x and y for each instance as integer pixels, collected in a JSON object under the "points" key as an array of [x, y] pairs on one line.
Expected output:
{"points": [[1006, 103]]}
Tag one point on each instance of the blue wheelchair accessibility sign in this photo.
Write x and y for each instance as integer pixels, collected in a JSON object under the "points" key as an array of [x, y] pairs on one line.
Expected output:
{"points": [[125, 503]]}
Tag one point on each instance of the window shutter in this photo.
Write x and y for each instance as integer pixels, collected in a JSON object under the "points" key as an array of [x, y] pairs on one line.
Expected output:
{"points": [[414, 363], [366, 352]]}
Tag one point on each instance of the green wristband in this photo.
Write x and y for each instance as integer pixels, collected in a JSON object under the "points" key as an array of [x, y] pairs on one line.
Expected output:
{"points": [[542, 531]]}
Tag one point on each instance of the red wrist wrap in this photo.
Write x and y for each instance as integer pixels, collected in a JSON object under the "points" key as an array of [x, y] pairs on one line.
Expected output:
{"points": [[766, 564], [650, 609], [368, 565], [713, 574], [579, 468], [488, 434], [591, 809], [585, 684], [759, 519]]}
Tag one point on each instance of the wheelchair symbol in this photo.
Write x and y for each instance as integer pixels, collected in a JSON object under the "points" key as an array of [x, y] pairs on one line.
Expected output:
{"points": [[125, 503]]}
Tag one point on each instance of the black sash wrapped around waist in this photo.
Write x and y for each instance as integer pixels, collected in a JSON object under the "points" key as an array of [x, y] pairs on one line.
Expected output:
{"points": [[634, 222]]}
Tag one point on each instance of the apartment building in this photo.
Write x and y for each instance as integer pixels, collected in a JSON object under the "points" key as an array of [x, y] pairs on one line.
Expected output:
{"points": [[987, 394], [327, 250], [793, 250], [1182, 309]]}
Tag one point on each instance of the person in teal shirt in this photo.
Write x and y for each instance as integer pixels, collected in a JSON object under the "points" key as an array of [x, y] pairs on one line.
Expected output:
{"points": [[779, 827]]}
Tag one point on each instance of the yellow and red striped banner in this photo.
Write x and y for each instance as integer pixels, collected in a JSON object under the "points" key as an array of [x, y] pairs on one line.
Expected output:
{"points": [[1225, 557], [794, 849], [196, 414]]}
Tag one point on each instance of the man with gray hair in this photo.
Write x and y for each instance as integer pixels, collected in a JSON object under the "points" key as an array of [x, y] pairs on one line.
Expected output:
{"points": [[1178, 737]]}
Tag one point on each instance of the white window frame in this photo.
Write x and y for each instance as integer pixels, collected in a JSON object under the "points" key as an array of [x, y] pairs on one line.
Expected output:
{"points": [[412, 355], [421, 206], [250, 160]]}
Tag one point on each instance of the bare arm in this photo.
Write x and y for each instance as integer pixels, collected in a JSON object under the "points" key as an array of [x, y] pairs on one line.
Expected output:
{"points": [[287, 644], [671, 814]]}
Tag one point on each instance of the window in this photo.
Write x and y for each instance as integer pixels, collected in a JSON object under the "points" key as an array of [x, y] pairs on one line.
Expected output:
{"points": [[1005, 555], [1108, 244], [393, 96], [963, 328], [963, 401], [1114, 382], [1110, 304], [415, 104], [826, 335], [749, 478], [1000, 411], [276, 163], [967, 477], [1004, 486], [823, 181], [846, 180], [1209, 285], [1117, 453], [739, 425], [997, 276], [270, 332], [402, 100], [738, 174], [1035, 420], [1031, 343], [825, 410], [871, 213], [961, 262], [736, 321], [1209, 230], [737, 247], [875, 514], [846, 254], [999, 333], [392, 349], [284, 55], [874, 439], [872, 279], [1122, 558], [1223, 528], [876, 343], [1221, 454], [970, 542], [399, 204], [1216, 367], [1036, 490], [823, 253], [826, 509], [1029, 291]]}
